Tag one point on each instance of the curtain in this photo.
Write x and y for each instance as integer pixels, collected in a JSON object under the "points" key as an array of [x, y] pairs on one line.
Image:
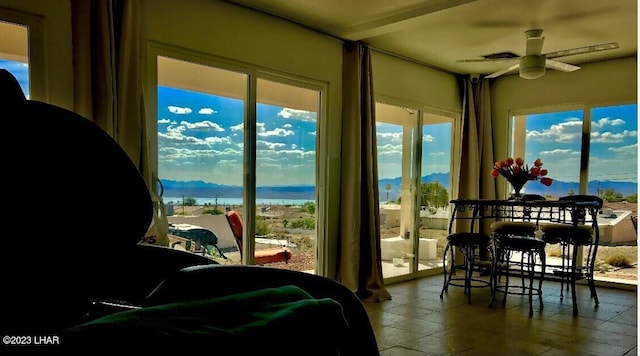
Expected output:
{"points": [[107, 60], [359, 262], [476, 157]]}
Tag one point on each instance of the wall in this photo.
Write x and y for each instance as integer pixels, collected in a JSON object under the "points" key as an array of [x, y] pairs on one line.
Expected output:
{"points": [[52, 68], [397, 78], [601, 83]]}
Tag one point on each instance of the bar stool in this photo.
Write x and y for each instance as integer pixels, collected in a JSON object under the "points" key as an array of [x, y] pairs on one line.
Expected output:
{"points": [[470, 244], [509, 238], [573, 235]]}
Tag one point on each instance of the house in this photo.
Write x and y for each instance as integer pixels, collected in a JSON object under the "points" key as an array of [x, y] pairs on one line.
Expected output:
{"points": [[253, 48]]}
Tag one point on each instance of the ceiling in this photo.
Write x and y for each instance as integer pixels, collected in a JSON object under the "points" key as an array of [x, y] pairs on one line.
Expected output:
{"points": [[439, 33]]}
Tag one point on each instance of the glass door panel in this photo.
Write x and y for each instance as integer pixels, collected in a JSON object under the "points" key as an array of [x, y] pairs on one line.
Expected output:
{"points": [[613, 176], [200, 126], [395, 144], [14, 53], [287, 121], [434, 189]]}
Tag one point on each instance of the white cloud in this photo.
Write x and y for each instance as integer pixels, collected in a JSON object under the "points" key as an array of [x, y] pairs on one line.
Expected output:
{"points": [[303, 115], [202, 126], [164, 121], [207, 111], [631, 150], [178, 110], [389, 150], [390, 136], [558, 152], [218, 140], [275, 132], [565, 132], [436, 153], [238, 127], [610, 137], [261, 144], [607, 121], [428, 138], [287, 126]]}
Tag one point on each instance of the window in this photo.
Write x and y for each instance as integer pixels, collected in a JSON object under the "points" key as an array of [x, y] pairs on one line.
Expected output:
{"points": [[591, 151], [414, 160], [222, 147], [14, 53]]}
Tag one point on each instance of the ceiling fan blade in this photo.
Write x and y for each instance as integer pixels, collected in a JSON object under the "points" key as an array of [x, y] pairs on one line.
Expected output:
{"points": [[582, 50], [563, 67], [503, 71], [534, 45]]}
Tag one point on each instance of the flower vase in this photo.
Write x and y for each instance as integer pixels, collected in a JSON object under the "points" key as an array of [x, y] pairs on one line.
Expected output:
{"points": [[517, 187]]}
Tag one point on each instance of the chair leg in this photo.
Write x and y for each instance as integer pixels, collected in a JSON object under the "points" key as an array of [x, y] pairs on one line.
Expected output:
{"points": [[468, 262], [447, 274], [543, 263], [591, 258], [573, 281], [506, 266], [531, 258]]}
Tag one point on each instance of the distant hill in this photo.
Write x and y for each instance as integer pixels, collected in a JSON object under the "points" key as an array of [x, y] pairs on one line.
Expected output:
{"points": [[202, 189]]}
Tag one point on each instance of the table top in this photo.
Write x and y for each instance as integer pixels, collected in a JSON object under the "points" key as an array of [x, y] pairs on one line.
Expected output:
{"points": [[530, 203], [562, 211]]}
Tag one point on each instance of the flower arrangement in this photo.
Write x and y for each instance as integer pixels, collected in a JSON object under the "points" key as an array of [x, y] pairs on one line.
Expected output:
{"points": [[518, 173]]}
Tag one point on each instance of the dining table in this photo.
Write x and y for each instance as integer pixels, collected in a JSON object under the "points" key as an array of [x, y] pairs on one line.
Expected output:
{"points": [[475, 215]]}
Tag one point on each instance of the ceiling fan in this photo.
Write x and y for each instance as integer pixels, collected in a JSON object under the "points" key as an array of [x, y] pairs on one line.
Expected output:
{"points": [[533, 64]]}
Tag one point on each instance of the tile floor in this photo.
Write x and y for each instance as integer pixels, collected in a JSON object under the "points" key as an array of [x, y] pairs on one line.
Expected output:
{"points": [[417, 322]]}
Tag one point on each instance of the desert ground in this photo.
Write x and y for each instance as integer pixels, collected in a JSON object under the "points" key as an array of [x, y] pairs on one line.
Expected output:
{"points": [[303, 258]]}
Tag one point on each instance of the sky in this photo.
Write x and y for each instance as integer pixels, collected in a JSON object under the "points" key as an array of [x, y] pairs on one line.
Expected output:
{"points": [[200, 137], [436, 149], [20, 71]]}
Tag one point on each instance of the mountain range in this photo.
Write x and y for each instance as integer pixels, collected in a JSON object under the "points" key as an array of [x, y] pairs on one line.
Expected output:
{"points": [[173, 188]]}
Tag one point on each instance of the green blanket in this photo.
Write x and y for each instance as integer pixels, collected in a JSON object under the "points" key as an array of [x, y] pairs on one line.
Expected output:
{"points": [[274, 321]]}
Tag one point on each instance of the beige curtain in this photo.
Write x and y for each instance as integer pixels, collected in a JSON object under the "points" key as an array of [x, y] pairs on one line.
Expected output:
{"points": [[359, 262], [107, 60], [476, 155]]}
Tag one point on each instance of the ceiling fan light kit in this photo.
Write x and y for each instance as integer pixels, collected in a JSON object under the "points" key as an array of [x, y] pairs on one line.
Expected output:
{"points": [[532, 67]]}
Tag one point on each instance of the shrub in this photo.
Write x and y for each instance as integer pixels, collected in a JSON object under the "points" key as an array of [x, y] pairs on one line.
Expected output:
{"points": [[602, 266], [189, 202], [309, 207], [262, 227], [304, 223], [618, 260], [212, 211]]}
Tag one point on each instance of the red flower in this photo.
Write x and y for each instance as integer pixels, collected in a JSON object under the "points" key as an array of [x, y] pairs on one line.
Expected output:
{"points": [[519, 161], [517, 173]]}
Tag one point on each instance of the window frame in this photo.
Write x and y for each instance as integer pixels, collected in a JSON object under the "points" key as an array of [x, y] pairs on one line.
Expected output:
{"points": [[157, 49]]}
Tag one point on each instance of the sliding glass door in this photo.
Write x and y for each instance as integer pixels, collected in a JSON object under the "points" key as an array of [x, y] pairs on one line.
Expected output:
{"points": [[233, 140], [414, 160]]}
